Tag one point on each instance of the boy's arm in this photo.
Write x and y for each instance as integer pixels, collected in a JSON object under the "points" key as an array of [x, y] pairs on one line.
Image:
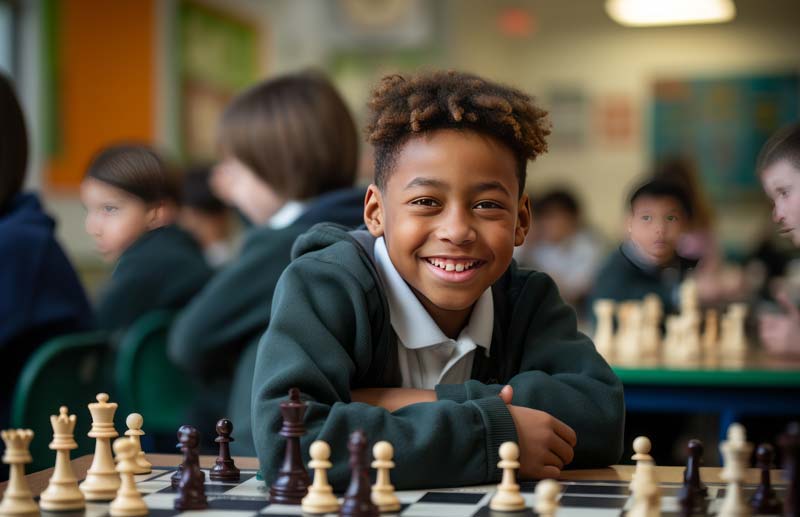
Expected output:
{"points": [[560, 373], [320, 340]]}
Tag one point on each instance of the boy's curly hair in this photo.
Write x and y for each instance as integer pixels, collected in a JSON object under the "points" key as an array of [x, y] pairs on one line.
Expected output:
{"points": [[402, 107]]}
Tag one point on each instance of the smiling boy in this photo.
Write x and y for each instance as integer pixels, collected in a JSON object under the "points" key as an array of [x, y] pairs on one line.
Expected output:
{"points": [[421, 330]]}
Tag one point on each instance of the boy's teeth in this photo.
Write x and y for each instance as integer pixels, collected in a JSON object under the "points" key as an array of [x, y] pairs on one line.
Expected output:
{"points": [[449, 265], [459, 267]]}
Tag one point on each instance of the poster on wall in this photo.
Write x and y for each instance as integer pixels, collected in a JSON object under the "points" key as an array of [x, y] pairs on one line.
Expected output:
{"points": [[721, 124], [218, 57]]}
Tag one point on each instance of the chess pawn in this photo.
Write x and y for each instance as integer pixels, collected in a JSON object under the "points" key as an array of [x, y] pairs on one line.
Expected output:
{"points": [[651, 331], [383, 491], [765, 500], [711, 335], [508, 497], [191, 490], [62, 491], [129, 502], [641, 449], [224, 468], [736, 453], [546, 492], [320, 498], [630, 334], [604, 332], [690, 300], [102, 480], [134, 423], [646, 494], [18, 499]]}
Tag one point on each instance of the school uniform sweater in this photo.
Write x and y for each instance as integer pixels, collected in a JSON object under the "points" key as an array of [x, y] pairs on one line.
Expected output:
{"points": [[163, 269], [215, 337], [40, 294], [330, 333]]}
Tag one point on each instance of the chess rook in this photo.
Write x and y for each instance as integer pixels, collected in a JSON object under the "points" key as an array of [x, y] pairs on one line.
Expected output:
{"points": [[17, 499], [62, 491], [102, 480], [292, 483]]}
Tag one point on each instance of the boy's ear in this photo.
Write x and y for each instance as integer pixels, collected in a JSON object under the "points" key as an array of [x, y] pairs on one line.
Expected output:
{"points": [[628, 222], [523, 225], [160, 214], [373, 211]]}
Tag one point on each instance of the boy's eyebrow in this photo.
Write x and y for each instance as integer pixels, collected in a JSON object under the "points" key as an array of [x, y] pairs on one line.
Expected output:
{"points": [[425, 182], [490, 185]]}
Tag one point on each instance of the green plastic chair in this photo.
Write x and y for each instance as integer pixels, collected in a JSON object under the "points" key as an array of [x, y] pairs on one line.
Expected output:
{"points": [[70, 371], [147, 381]]}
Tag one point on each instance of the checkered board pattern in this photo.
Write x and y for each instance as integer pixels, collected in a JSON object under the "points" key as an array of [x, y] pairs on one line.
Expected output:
{"points": [[248, 497]]}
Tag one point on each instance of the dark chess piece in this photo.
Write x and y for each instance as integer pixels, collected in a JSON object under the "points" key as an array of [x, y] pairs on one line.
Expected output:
{"points": [[224, 469], [292, 483], [765, 500], [790, 445], [192, 490], [692, 495], [175, 479], [358, 498]]}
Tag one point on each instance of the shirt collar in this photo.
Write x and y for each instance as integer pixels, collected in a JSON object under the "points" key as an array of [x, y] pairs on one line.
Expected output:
{"points": [[287, 214], [411, 321]]}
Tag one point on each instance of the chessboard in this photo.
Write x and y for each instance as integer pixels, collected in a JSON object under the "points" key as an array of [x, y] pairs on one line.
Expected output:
{"points": [[250, 497]]}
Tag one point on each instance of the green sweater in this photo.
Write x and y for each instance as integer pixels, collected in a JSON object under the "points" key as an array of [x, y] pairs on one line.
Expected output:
{"points": [[330, 333], [163, 269]]}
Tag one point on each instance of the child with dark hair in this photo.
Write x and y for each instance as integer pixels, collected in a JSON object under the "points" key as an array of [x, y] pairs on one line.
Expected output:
{"points": [[778, 167], [289, 157], [647, 261], [131, 202], [205, 216], [421, 330], [561, 246], [41, 296]]}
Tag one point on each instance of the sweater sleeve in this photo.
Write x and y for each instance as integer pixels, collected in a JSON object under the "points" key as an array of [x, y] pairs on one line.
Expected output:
{"points": [[561, 373], [320, 340]]}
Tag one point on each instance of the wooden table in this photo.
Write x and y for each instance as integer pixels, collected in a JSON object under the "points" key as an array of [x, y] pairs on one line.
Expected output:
{"points": [[38, 480]]}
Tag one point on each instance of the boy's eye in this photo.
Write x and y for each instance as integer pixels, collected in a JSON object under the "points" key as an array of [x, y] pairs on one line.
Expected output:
{"points": [[672, 218], [488, 205], [425, 201], [646, 217], [110, 209]]}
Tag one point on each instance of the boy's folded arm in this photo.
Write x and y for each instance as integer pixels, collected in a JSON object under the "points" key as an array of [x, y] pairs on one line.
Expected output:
{"points": [[392, 399], [320, 340]]}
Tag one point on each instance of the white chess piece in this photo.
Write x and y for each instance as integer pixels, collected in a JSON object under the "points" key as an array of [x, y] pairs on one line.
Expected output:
{"points": [[320, 498], [653, 311], [62, 491], [102, 480], [546, 492], [630, 332], [604, 330], [641, 449], [134, 423], [646, 494], [129, 502], [711, 335], [736, 455], [383, 495], [508, 497], [18, 499]]}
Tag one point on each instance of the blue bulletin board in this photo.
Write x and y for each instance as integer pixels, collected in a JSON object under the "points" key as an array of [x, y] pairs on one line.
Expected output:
{"points": [[721, 124]]}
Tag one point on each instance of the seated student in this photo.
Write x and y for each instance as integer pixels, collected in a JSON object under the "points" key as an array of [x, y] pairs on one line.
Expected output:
{"points": [[131, 204], [206, 217], [41, 296], [647, 261], [290, 152], [563, 248], [778, 167], [422, 331]]}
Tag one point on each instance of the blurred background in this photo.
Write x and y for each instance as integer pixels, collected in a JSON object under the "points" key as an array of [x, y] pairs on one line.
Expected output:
{"points": [[621, 97]]}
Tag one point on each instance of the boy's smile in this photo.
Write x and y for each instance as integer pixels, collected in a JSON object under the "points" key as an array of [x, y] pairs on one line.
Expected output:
{"points": [[451, 215]]}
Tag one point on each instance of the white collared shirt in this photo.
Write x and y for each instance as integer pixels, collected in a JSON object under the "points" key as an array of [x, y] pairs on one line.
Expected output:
{"points": [[428, 357], [287, 214]]}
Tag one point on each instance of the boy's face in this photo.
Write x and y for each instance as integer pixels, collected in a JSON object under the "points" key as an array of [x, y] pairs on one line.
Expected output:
{"points": [[654, 225], [114, 218], [237, 184], [451, 215], [781, 182]]}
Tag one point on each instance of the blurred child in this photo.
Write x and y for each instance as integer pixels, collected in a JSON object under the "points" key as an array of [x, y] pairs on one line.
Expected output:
{"points": [[647, 261], [778, 168], [290, 152], [131, 203], [562, 248], [422, 331], [206, 217], [41, 296]]}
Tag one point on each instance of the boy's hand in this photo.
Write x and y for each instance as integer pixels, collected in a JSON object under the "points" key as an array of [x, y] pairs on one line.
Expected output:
{"points": [[778, 332], [545, 442], [392, 399]]}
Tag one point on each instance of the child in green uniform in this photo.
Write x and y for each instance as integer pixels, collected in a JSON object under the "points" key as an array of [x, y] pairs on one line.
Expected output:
{"points": [[131, 203], [289, 156], [647, 261], [421, 330]]}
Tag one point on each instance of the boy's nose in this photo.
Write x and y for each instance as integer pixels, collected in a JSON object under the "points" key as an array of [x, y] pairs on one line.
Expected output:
{"points": [[457, 229], [777, 216]]}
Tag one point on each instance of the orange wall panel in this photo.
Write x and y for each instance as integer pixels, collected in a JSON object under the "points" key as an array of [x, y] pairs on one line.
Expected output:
{"points": [[106, 81]]}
